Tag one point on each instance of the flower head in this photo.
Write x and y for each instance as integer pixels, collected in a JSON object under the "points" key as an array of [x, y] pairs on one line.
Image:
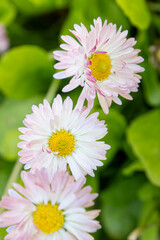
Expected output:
{"points": [[4, 42], [49, 209], [102, 61], [60, 136]]}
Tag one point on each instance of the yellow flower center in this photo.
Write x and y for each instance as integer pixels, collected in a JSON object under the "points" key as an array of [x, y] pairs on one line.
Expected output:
{"points": [[62, 142], [48, 218], [100, 66]]}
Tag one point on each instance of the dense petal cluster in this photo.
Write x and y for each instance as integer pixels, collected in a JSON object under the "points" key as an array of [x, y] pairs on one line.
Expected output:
{"points": [[102, 61], [63, 200], [57, 136], [4, 41]]}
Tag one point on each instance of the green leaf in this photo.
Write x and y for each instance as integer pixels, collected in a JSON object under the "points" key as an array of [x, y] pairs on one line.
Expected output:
{"points": [[137, 11], [107, 8], [25, 71], [149, 220], [83, 11], [133, 167], [149, 192], [33, 7], [152, 232], [7, 12], [143, 135], [93, 182], [121, 207], [12, 113], [116, 124], [80, 11], [151, 85]]}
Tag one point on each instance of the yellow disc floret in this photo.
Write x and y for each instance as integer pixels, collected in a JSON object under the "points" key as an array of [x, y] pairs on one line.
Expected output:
{"points": [[62, 142], [100, 66], [48, 218]]}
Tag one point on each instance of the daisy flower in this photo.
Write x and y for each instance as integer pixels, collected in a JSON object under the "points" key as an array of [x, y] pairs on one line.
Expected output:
{"points": [[58, 136], [49, 210], [102, 61], [4, 42]]}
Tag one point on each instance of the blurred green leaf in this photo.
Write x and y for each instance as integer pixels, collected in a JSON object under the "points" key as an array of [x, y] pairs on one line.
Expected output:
{"points": [[143, 135], [137, 11], [150, 79], [83, 11], [132, 168], [25, 71], [107, 8], [30, 7], [12, 113], [151, 233], [149, 221], [151, 85], [121, 207], [116, 124], [93, 182], [7, 12], [149, 192]]}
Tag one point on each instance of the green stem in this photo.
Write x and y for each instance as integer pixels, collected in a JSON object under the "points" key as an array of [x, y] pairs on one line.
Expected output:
{"points": [[52, 90], [18, 166], [13, 177]]}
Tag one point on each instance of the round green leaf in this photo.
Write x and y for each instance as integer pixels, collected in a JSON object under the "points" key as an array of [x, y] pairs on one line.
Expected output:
{"points": [[25, 71], [144, 137], [137, 12], [7, 12]]}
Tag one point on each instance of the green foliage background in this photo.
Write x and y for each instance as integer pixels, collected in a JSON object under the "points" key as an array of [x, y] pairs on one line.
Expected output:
{"points": [[129, 182]]}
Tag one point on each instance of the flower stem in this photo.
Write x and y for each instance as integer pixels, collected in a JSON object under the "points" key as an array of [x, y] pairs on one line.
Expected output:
{"points": [[52, 90], [13, 177], [18, 166]]}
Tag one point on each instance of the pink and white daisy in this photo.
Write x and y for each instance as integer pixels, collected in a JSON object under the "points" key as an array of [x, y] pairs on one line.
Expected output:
{"points": [[102, 61], [58, 136], [49, 210], [4, 41]]}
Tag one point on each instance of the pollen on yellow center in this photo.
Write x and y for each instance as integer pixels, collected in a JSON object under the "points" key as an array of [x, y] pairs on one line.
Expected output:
{"points": [[62, 142], [48, 218], [100, 66]]}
